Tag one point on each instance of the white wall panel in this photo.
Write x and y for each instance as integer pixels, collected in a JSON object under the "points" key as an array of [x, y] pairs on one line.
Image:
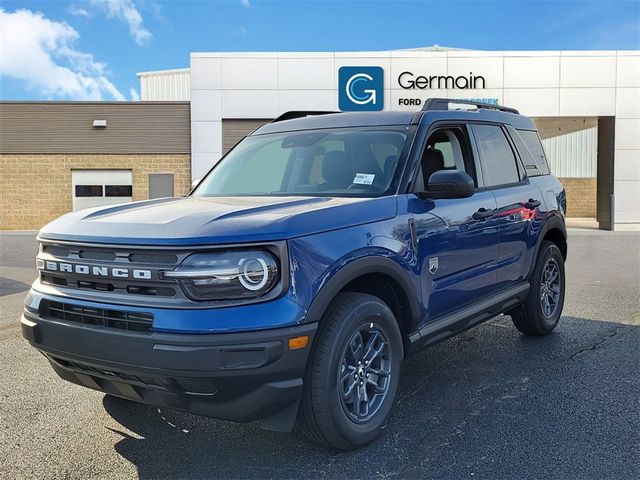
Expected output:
{"points": [[205, 105], [535, 102], [588, 102], [628, 103], [627, 165], [307, 100], [207, 137], [628, 74], [573, 154], [531, 72], [306, 73], [205, 73], [628, 134], [627, 200], [250, 104], [588, 71], [249, 73]]}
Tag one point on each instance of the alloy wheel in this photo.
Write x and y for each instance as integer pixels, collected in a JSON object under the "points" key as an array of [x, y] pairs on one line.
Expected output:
{"points": [[364, 373], [550, 288]]}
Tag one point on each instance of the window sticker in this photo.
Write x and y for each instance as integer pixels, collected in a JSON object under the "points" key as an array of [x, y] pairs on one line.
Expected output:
{"points": [[364, 178]]}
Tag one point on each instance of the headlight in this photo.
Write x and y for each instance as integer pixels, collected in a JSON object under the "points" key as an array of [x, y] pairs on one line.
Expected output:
{"points": [[227, 275]]}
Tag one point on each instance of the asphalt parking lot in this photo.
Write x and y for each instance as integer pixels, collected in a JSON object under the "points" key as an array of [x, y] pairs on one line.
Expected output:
{"points": [[487, 404]]}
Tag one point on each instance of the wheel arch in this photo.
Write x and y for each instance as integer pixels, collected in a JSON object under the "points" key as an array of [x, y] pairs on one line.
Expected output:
{"points": [[379, 276], [554, 230]]}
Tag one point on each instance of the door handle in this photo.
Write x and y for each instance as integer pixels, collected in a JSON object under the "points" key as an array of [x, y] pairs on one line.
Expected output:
{"points": [[483, 213], [531, 204]]}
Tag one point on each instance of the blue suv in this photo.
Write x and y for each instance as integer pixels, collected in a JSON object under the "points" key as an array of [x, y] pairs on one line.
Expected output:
{"points": [[292, 281]]}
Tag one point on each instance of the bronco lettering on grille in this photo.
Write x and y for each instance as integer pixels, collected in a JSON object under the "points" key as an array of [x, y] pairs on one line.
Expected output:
{"points": [[96, 271]]}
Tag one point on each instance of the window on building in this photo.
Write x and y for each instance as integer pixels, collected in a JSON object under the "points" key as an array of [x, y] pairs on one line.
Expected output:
{"points": [[118, 191], [498, 160], [89, 190]]}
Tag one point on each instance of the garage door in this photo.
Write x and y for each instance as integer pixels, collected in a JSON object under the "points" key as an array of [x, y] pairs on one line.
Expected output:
{"points": [[235, 130], [95, 188]]}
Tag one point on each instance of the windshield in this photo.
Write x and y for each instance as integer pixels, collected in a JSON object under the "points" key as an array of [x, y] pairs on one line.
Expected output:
{"points": [[328, 162]]}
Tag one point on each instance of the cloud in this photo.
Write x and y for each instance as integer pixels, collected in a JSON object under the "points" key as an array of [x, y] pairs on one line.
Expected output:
{"points": [[246, 4], [41, 53], [78, 12], [135, 96], [126, 11]]}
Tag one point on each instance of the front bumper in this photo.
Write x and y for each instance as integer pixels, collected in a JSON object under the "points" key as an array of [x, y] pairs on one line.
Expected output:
{"points": [[240, 377]]}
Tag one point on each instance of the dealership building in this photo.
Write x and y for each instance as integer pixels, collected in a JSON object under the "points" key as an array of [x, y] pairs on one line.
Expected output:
{"points": [[64, 156]]}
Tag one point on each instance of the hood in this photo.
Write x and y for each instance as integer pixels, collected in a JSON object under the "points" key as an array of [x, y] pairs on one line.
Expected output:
{"points": [[216, 220]]}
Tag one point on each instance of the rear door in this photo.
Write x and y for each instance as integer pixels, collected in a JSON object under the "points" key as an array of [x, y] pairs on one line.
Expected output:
{"points": [[517, 201]]}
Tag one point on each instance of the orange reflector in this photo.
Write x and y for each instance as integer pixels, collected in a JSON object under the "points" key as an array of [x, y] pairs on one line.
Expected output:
{"points": [[298, 342]]}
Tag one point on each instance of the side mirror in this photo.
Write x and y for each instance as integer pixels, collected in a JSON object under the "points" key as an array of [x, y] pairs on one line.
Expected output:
{"points": [[450, 184], [195, 182]]}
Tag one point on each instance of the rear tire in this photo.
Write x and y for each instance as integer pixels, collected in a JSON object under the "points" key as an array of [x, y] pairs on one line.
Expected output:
{"points": [[346, 404], [541, 311]]}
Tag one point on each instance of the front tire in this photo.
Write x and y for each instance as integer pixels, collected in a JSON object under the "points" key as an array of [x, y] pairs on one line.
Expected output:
{"points": [[541, 311], [352, 378]]}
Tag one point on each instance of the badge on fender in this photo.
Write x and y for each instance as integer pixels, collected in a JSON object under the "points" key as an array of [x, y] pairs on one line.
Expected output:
{"points": [[433, 265]]}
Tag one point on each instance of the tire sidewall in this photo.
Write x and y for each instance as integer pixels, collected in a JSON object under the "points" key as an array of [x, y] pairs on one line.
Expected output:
{"points": [[376, 312], [550, 251]]}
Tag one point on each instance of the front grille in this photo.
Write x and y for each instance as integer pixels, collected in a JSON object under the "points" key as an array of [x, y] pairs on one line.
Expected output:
{"points": [[109, 255], [98, 264], [122, 320]]}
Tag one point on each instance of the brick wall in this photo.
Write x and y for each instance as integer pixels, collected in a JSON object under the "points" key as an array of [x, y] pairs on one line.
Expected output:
{"points": [[35, 189], [581, 196]]}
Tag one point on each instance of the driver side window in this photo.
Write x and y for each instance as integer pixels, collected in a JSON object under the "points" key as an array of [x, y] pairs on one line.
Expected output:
{"points": [[446, 149]]}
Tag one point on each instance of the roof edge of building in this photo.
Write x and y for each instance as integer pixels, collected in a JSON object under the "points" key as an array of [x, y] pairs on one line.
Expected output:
{"points": [[175, 71]]}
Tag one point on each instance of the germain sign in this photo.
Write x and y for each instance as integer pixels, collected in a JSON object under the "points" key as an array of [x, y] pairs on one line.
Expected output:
{"points": [[408, 81], [361, 88]]}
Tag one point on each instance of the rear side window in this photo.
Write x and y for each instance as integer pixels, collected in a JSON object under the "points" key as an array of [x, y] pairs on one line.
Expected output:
{"points": [[533, 143], [498, 160]]}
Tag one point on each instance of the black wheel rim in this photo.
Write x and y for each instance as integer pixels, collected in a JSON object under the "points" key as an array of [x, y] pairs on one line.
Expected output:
{"points": [[364, 373], [550, 288]]}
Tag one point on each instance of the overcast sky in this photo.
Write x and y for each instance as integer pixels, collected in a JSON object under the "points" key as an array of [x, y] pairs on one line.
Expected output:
{"points": [[92, 49]]}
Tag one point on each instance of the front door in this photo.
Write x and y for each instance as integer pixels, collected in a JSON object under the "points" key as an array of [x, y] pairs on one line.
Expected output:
{"points": [[457, 239]]}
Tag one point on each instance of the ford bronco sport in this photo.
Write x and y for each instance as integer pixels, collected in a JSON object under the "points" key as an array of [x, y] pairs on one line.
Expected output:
{"points": [[291, 282]]}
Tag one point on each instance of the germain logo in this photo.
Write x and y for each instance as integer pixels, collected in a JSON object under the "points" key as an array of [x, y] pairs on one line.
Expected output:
{"points": [[360, 89]]}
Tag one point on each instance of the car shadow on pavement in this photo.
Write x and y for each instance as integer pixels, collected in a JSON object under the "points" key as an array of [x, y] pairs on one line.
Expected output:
{"points": [[490, 402], [9, 286]]}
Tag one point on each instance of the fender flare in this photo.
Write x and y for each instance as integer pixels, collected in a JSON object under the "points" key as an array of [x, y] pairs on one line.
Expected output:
{"points": [[554, 221], [357, 268]]}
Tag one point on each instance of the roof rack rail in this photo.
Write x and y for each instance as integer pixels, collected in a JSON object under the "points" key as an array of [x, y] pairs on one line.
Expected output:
{"points": [[299, 114], [443, 104]]}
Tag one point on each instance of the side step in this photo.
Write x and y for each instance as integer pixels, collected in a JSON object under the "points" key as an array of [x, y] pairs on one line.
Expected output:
{"points": [[468, 317]]}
